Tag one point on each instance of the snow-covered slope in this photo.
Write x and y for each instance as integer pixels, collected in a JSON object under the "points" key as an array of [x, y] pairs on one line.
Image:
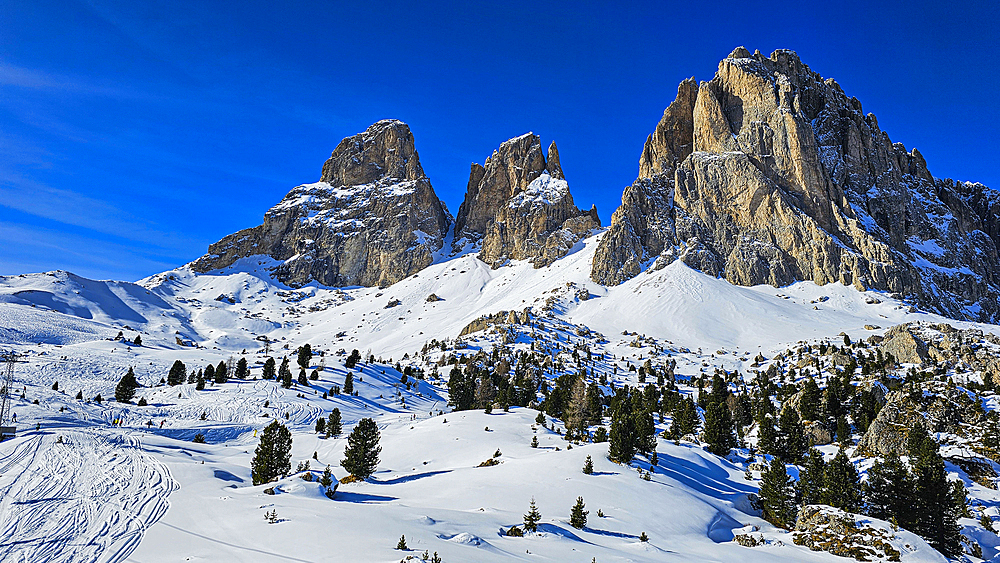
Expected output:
{"points": [[198, 503]]}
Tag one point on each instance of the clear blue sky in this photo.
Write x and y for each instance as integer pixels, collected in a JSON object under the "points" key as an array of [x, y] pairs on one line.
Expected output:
{"points": [[133, 134]]}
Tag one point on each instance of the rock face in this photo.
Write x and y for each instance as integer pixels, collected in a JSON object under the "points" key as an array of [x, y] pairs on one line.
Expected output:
{"points": [[372, 219], [769, 173], [518, 206], [941, 409]]}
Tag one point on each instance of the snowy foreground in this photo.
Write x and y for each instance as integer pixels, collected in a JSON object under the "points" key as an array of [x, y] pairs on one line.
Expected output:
{"points": [[88, 481]]}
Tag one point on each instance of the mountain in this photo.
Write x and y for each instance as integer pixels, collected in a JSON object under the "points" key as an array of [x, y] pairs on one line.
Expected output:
{"points": [[505, 354], [372, 219], [771, 174], [518, 206]]}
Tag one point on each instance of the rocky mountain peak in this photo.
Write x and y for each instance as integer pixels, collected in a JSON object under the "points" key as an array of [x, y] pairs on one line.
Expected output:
{"points": [[769, 173], [384, 150], [519, 207], [372, 219]]}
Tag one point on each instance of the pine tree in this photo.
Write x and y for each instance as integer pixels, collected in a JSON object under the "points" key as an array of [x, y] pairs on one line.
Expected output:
{"points": [[809, 404], [285, 374], [209, 372], [843, 430], [361, 452], [532, 518], [273, 457], [888, 492], [540, 418], [199, 383], [767, 435], [775, 499], [600, 435], [177, 373], [327, 479], [935, 506], [790, 443], [221, 373], [401, 546], [588, 466], [269, 369], [685, 418], [622, 438], [303, 378], [719, 429], [138, 340], [534, 441], [334, 426], [461, 389], [242, 369], [193, 376], [125, 390], [353, 359], [812, 478], [349, 383], [842, 490], [304, 355], [577, 515], [320, 425]]}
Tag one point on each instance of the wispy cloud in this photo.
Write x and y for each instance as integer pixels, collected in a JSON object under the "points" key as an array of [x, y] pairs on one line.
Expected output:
{"points": [[36, 79], [34, 249], [71, 208]]}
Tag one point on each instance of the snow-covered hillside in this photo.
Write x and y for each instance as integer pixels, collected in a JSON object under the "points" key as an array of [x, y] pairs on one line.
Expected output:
{"points": [[126, 483]]}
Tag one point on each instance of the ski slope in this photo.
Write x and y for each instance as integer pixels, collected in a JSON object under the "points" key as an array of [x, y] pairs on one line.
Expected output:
{"points": [[81, 496]]}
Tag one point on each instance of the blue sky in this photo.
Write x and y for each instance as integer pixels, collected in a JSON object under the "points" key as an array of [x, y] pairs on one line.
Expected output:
{"points": [[133, 134]]}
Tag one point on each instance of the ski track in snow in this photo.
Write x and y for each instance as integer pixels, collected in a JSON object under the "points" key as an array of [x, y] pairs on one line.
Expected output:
{"points": [[88, 499]]}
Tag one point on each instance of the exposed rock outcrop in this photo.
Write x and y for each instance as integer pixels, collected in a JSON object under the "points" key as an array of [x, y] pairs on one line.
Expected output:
{"points": [[518, 206], [372, 219], [933, 405], [769, 173]]}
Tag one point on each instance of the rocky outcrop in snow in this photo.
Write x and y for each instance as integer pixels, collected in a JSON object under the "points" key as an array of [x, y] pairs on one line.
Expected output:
{"points": [[519, 207], [372, 219], [769, 173]]}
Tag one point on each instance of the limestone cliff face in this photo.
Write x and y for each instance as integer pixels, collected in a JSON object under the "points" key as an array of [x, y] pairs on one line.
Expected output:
{"points": [[518, 206], [372, 219], [769, 173]]}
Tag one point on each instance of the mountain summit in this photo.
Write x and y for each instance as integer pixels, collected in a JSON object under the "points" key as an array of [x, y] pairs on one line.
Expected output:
{"points": [[372, 219], [519, 206], [770, 174]]}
